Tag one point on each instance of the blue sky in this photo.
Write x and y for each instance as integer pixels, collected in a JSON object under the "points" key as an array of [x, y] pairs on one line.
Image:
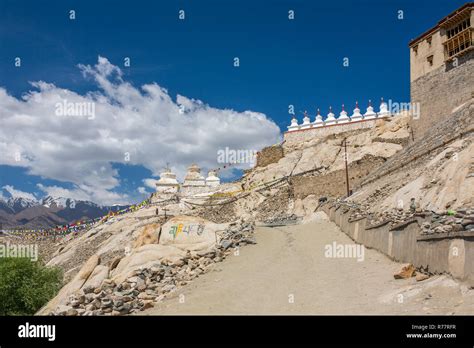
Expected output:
{"points": [[282, 62]]}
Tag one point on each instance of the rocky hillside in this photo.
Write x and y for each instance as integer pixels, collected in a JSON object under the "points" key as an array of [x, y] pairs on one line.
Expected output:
{"points": [[132, 261], [436, 170]]}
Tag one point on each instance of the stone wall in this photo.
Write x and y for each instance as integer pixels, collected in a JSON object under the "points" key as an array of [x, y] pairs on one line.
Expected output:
{"points": [[334, 183], [403, 244], [441, 91], [302, 135], [268, 155]]}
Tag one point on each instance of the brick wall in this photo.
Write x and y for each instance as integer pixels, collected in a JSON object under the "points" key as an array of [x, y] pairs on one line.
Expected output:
{"points": [[440, 91], [334, 183], [268, 155]]}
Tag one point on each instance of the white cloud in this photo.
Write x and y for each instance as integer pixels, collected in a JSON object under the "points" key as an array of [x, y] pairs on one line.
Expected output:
{"points": [[150, 182], [17, 193], [140, 126], [142, 190], [85, 193]]}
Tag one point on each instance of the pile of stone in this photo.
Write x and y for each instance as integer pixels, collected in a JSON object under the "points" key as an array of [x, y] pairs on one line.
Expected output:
{"points": [[358, 211], [149, 286], [238, 234], [450, 221], [439, 222], [393, 217], [275, 205], [282, 219]]}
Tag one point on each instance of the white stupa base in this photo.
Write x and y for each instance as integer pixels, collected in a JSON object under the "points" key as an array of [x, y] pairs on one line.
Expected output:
{"points": [[293, 128], [343, 120], [318, 124], [167, 189], [383, 114], [330, 122], [357, 118], [370, 116], [213, 183], [194, 183]]}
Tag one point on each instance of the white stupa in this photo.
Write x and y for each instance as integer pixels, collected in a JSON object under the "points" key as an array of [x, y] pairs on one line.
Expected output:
{"points": [[212, 179], [370, 112], [330, 119], [343, 118], [383, 109], [194, 177], [306, 121], [294, 124], [356, 115], [318, 122], [167, 182]]}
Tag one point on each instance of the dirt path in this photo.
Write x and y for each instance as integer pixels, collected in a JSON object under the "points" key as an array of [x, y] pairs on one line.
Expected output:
{"points": [[287, 273]]}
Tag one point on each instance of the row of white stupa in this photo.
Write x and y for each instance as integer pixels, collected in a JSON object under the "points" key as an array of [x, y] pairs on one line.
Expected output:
{"points": [[168, 183], [343, 117]]}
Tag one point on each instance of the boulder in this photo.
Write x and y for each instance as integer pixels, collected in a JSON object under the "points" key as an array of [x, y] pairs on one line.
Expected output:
{"points": [[406, 272], [71, 287], [96, 278], [148, 235], [421, 276], [191, 233], [145, 256]]}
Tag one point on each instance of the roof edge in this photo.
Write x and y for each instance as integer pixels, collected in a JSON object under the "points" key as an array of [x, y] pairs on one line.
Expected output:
{"points": [[444, 19]]}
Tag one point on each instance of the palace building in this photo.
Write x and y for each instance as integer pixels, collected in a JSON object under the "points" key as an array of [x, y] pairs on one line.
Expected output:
{"points": [[442, 68]]}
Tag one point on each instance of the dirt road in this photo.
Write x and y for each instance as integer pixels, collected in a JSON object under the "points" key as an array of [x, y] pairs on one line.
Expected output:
{"points": [[288, 272]]}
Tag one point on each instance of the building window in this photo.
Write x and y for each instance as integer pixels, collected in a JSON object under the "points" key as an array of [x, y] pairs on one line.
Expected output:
{"points": [[430, 60], [415, 49], [459, 38], [428, 39]]}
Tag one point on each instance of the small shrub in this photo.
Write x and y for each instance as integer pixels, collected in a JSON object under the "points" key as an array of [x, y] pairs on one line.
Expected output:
{"points": [[26, 286]]}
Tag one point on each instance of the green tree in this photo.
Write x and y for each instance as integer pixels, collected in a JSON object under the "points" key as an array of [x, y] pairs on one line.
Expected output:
{"points": [[25, 286]]}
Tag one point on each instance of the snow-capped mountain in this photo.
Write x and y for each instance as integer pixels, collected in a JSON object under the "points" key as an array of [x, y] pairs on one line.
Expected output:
{"points": [[49, 211], [21, 203], [17, 204]]}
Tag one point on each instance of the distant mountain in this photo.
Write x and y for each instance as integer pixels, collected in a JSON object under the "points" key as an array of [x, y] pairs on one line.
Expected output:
{"points": [[49, 211], [17, 204]]}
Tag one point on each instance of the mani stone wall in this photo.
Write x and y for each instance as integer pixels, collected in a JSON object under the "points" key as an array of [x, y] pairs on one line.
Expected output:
{"points": [[302, 135], [440, 91], [268, 155], [333, 184]]}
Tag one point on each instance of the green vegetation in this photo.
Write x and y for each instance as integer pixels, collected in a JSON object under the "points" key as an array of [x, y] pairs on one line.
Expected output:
{"points": [[26, 286]]}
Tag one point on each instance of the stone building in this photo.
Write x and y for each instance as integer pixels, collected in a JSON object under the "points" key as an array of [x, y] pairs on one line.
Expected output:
{"points": [[442, 68]]}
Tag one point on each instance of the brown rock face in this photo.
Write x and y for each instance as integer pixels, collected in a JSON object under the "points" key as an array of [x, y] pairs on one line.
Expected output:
{"points": [[149, 235]]}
